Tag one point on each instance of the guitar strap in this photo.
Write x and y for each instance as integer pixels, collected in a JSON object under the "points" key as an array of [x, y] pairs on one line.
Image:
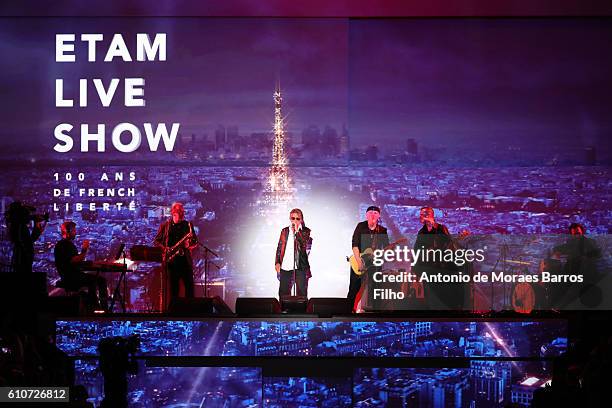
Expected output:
{"points": [[167, 232]]}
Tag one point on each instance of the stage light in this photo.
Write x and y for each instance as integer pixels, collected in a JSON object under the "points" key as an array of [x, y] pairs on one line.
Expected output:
{"points": [[332, 222], [128, 262], [530, 381]]}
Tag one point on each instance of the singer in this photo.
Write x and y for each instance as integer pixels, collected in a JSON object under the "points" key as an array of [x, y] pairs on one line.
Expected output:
{"points": [[292, 252]]}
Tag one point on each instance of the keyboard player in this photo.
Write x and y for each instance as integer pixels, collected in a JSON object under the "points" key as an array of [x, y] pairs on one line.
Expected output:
{"points": [[68, 260]]}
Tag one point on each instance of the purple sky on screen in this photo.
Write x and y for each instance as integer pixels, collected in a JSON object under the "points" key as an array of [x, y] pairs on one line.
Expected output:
{"points": [[436, 80], [478, 80]]}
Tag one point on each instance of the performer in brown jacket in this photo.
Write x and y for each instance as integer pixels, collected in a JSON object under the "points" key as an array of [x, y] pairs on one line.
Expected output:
{"points": [[292, 251]]}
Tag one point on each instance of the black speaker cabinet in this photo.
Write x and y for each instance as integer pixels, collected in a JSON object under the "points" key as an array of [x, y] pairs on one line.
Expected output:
{"points": [[257, 306], [294, 304]]}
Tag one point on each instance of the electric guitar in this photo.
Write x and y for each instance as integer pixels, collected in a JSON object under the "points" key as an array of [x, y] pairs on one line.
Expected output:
{"points": [[368, 258]]}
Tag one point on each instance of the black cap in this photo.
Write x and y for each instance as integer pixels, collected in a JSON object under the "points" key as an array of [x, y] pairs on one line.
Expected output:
{"points": [[373, 208]]}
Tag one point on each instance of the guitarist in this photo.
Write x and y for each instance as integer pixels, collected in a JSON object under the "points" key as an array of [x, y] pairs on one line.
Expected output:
{"points": [[181, 266], [435, 236], [367, 234]]}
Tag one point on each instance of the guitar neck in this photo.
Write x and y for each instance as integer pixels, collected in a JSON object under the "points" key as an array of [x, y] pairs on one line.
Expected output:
{"points": [[393, 244]]}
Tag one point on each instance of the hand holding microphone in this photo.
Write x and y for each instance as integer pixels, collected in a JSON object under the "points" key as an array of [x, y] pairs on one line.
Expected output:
{"points": [[428, 220], [296, 223]]}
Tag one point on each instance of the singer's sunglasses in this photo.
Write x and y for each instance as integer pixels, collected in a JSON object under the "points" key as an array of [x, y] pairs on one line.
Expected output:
{"points": [[296, 218]]}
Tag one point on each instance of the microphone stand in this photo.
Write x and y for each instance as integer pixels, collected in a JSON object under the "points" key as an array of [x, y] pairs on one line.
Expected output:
{"points": [[207, 263], [295, 261]]}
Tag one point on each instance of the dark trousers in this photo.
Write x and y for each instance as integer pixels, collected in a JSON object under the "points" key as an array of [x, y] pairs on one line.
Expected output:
{"points": [[443, 296], [354, 287], [286, 283], [94, 283], [180, 269]]}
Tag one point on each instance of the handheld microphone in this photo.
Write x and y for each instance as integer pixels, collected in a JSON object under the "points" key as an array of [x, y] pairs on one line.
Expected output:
{"points": [[296, 228]]}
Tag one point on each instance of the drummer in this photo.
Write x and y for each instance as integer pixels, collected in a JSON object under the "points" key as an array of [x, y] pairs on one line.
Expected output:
{"points": [[582, 254]]}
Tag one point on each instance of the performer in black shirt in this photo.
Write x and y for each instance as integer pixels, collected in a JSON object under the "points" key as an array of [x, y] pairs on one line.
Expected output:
{"points": [[367, 234], [582, 255], [581, 252], [180, 267], [67, 260], [435, 236]]}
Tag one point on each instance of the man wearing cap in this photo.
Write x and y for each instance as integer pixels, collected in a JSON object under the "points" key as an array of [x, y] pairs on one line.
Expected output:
{"points": [[367, 234]]}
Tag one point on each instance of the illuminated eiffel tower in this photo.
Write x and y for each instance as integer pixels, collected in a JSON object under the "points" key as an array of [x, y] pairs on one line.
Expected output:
{"points": [[279, 184]]}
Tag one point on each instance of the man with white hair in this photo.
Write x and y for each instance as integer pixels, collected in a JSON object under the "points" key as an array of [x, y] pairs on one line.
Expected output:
{"points": [[180, 267]]}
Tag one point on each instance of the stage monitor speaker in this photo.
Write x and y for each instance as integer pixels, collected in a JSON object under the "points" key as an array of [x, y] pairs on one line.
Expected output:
{"points": [[294, 304], [193, 307], [257, 306], [221, 308], [326, 307]]}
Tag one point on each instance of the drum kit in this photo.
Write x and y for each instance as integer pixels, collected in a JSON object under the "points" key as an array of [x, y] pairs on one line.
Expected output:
{"points": [[526, 297], [520, 295]]}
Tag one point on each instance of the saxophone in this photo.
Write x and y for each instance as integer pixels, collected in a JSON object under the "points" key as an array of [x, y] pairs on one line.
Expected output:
{"points": [[178, 248]]}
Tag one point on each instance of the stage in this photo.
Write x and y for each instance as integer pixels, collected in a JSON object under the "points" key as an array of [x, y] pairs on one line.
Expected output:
{"points": [[245, 206], [364, 358]]}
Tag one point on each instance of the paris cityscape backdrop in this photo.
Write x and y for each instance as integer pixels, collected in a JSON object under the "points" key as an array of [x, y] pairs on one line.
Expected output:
{"points": [[502, 125], [401, 113]]}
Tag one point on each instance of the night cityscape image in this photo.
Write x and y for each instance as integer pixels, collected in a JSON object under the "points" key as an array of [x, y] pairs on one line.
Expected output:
{"points": [[308, 206], [485, 382]]}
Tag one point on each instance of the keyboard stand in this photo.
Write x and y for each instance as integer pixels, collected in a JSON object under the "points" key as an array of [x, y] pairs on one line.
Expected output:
{"points": [[117, 292]]}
